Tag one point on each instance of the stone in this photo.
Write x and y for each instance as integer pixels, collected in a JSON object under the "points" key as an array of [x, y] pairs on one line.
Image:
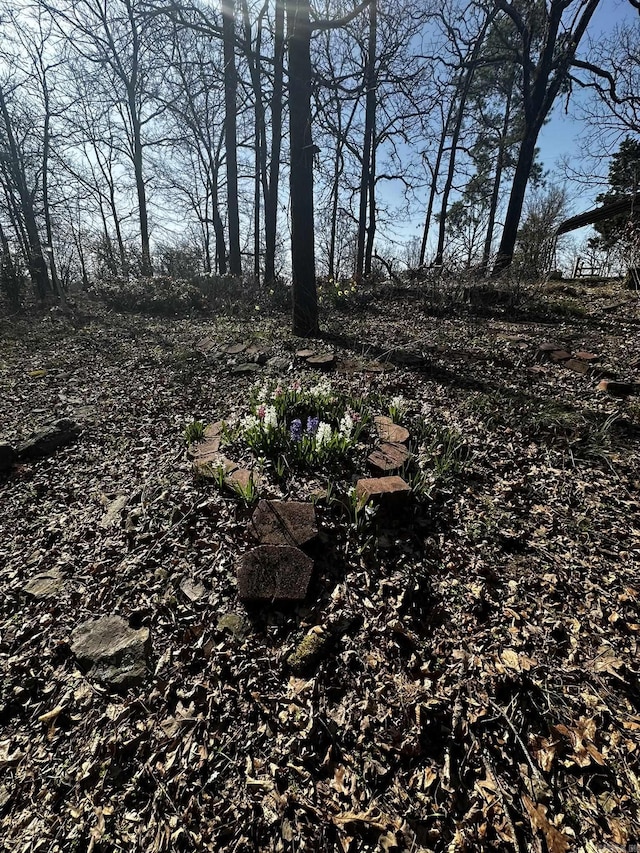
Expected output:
{"points": [[214, 430], [211, 467], [255, 354], [247, 367], [388, 457], [111, 651], [8, 455], [322, 361], [577, 365], [240, 480], [583, 355], [43, 442], [192, 589], [278, 364], [387, 491], [44, 585], [236, 349], [274, 573], [549, 346], [284, 523], [205, 452], [388, 431], [560, 355], [235, 624], [616, 389], [205, 345], [310, 651], [114, 512], [305, 353]]}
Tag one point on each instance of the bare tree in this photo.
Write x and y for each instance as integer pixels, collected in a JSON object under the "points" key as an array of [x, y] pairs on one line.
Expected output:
{"points": [[549, 34]]}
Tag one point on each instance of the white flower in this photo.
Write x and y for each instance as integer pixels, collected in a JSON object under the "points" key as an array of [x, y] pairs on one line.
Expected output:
{"points": [[262, 393], [270, 417], [323, 435], [322, 389], [399, 404], [249, 422], [346, 425]]}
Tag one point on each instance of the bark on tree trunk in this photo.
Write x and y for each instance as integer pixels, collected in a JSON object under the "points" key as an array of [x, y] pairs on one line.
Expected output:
{"points": [[434, 187], [497, 180], [526, 157], [271, 198], [370, 113], [305, 301], [463, 88], [230, 134], [35, 259]]}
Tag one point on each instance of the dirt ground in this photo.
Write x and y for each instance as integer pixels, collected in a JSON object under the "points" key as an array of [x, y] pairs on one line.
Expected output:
{"points": [[481, 688]]}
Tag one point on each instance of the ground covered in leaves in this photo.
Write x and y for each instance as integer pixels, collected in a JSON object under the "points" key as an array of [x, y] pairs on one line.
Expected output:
{"points": [[481, 688]]}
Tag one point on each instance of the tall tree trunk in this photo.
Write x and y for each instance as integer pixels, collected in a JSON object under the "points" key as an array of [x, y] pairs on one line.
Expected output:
{"points": [[434, 185], [369, 121], [55, 282], [542, 80], [463, 89], [497, 180], [338, 166], [146, 268], [230, 134], [526, 156], [303, 267], [371, 229], [221, 248], [260, 178], [35, 257], [271, 198]]}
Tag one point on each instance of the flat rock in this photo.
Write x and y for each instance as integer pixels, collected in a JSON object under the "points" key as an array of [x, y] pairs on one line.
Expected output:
{"points": [[44, 585], [274, 573], [43, 442], [240, 479], [322, 361], [388, 491], [211, 466], [583, 355], [577, 365], [560, 355], [549, 346], [388, 457], [388, 431], [205, 345], [8, 455], [192, 589], [205, 452], [236, 349], [214, 430], [284, 523], [247, 367], [616, 389], [114, 653], [114, 512], [305, 353], [278, 363]]}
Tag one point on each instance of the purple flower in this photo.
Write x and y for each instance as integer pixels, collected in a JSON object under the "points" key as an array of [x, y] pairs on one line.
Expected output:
{"points": [[312, 426], [296, 429]]}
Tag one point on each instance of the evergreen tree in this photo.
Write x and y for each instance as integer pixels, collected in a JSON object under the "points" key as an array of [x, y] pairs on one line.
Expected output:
{"points": [[624, 181]]}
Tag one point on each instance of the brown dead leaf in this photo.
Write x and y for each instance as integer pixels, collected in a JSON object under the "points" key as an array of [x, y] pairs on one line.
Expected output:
{"points": [[511, 659], [557, 842]]}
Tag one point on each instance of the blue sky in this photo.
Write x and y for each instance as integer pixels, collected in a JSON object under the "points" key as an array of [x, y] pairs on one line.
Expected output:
{"points": [[563, 136]]}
